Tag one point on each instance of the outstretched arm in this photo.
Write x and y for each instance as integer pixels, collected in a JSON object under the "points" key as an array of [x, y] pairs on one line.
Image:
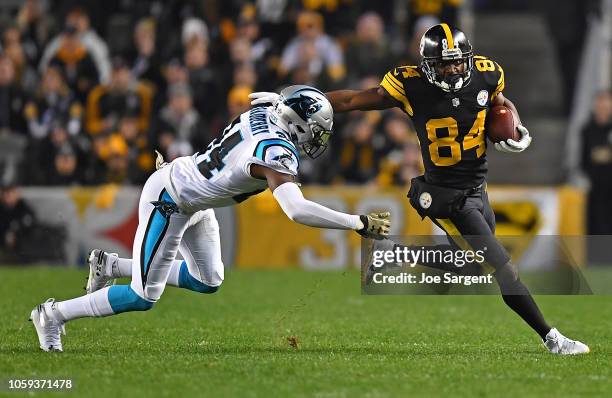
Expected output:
{"points": [[375, 98], [301, 210]]}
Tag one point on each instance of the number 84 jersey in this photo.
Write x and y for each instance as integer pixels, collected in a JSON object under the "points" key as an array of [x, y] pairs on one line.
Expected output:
{"points": [[220, 175], [450, 126]]}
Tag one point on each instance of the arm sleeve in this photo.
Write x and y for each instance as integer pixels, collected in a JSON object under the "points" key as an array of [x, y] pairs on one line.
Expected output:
{"points": [[392, 84], [500, 81], [299, 209]]}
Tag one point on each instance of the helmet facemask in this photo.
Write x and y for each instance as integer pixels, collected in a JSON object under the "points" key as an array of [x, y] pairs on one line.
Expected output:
{"points": [[452, 82], [318, 144], [313, 139]]}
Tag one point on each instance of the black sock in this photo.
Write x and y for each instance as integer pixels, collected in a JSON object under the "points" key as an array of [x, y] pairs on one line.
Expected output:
{"points": [[517, 297]]}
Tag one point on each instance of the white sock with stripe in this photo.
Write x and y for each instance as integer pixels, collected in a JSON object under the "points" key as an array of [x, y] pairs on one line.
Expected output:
{"points": [[90, 305]]}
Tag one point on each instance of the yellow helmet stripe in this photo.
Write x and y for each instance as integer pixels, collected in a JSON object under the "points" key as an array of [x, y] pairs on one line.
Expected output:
{"points": [[449, 36]]}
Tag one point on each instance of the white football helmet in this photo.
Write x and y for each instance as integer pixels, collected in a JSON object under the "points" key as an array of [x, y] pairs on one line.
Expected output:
{"points": [[307, 115]]}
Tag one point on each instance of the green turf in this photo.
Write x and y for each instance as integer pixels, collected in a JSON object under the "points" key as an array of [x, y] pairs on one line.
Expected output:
{"points": [[233, 343]]}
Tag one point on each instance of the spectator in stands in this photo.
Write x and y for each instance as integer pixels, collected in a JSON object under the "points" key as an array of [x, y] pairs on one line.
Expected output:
{"points": [[106, 104], [75, 62], [22, 57], [402, 160], [94, 46], [194, 32], [64, 170], [314, 50], [140, 155], [174, 72], [361, 150], [35, 25], [16, 221], [117, 162], [262, 55], [597, 164], [12, 99], [202, 80], [41, 168], [179, 121], [144, 59], [53, 100], [245, 75], [238, 101], [397, 130], [241, 51], [421, 26], [443, 10], [368, 53], [248, 28]]}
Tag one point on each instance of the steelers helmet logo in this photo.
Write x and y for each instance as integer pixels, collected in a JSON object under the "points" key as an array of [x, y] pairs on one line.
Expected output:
{"points": [[425, 200], [482, 97]]}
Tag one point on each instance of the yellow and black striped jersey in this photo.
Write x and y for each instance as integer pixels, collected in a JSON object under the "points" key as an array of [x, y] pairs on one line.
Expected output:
{"points": [[450, 126]]}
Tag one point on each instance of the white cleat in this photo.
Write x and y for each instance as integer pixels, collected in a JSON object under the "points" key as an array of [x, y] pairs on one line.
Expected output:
{"points": [[99, 269], [48, 328], [557, 343]]}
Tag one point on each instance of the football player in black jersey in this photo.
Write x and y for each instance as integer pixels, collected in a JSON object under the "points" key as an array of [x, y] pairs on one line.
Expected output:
{"points": [[447, 97]]}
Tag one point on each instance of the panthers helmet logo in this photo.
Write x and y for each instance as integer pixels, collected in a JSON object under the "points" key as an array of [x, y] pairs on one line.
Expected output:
{"points": [[304, 106]]}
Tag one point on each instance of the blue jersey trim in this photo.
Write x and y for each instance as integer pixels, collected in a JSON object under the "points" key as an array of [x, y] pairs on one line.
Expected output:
{"points": [[262, 147]]}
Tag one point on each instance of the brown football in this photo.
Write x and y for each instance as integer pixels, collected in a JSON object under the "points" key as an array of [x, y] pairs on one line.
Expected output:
{"points": [[500, 124]]}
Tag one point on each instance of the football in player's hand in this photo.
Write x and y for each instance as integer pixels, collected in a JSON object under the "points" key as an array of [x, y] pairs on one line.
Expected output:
{"points": [[500, 124]]}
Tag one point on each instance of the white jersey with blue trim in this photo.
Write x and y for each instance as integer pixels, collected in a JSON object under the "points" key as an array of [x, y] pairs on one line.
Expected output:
{"points": [[220, 175]]}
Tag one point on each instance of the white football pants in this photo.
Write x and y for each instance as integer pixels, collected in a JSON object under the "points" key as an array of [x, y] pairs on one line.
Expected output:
{"points": [[162, 231]]}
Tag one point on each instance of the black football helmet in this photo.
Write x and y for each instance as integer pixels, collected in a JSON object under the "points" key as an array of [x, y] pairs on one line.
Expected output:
{"points": [[443, 44]]}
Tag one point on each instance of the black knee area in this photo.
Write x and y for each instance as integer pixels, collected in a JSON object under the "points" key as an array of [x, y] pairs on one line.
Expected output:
{"points": [[508, 280], [507, 274]]}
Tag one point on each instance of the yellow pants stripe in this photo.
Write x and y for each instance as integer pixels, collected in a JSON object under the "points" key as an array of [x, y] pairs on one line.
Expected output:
{"points": [[451, 230]]}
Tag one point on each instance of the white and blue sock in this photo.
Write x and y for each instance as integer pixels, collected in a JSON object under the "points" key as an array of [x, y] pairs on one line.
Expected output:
{"points": [[180, 277]]}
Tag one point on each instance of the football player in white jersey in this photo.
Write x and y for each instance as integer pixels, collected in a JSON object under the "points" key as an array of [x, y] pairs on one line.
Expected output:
{"points": [[258, 150]]}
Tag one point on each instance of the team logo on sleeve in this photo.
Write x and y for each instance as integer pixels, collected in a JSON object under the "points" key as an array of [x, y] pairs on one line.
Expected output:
{"points": [[286, 160], [482, 97]]}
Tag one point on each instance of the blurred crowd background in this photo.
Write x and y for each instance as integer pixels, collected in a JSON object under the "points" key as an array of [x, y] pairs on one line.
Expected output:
{"points": [[88, 89]]}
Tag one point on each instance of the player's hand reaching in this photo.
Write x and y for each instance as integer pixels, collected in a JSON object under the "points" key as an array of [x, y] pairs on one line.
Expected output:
{"points": [[512, 146], [375, 225], [159, 160], [263, 97]]}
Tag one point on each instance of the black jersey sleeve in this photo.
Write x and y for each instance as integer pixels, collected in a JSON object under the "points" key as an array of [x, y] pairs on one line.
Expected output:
{"points": [[492, 73], [397, 83]]}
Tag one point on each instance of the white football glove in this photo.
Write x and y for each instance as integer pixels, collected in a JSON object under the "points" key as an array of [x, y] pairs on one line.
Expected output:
{"points": [[375, 225], [263, 97], [512, 146]]}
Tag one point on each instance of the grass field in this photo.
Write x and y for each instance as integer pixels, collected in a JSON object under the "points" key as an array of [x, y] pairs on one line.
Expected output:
{"points": [[234, 343]]}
